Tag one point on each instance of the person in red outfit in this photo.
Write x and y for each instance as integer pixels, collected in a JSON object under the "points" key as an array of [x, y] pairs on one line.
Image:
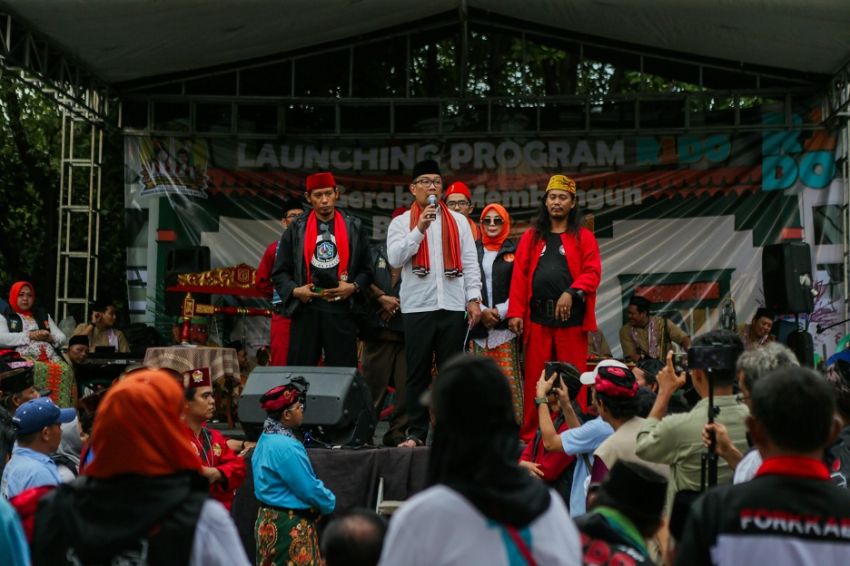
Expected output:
{"points": [[550, 466], [459, 199], [292, 209], [553, 290], [224, 469]]}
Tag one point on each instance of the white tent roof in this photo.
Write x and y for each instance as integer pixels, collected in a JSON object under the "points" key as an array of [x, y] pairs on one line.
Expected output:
{"points": [[123, 40]]}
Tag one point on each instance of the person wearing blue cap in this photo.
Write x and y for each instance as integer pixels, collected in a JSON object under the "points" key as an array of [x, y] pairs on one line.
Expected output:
{"points": [[39, 432]]}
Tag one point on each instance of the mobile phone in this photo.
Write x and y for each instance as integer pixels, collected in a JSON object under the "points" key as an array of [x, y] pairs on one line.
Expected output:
{"points": [[680, 362]]}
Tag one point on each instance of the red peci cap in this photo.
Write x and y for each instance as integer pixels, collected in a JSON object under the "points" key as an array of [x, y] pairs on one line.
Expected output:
{"points": [[194, 378], [320, 181], [459, 188]]}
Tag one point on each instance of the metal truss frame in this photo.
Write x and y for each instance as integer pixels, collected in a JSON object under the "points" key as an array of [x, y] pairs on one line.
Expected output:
{"points": [[88, 105], [445, 109]]}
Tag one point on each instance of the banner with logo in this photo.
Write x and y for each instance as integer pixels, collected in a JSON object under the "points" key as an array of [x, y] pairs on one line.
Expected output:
{"points": [[680, 219]]}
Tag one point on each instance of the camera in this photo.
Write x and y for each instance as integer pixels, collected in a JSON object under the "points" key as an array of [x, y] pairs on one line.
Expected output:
{"points": [[568, 376], [717, 357]]}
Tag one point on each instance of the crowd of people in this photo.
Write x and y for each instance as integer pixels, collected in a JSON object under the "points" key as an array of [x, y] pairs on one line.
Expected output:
{"points": [[543, 450]]}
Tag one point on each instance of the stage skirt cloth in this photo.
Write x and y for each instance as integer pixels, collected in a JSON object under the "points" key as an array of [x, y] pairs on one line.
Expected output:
{"points": [[59, 378], [286, 537], [506, 355]]}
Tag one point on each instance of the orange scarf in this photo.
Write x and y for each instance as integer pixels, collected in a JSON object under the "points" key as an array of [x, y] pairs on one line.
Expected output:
{"points": [[14, 291], [451, 244], [495, 243], [138, 429]]}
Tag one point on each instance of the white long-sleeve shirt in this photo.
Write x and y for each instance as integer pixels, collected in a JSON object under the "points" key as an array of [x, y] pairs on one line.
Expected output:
{"points": [[433, 291]]}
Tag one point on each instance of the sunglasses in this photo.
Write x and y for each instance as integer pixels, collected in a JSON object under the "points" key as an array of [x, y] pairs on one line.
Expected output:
{"points": [[494, 221]]}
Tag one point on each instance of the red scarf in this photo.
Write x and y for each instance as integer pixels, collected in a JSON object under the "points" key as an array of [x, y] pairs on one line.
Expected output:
{"points": [[495, 244], [341, 236], [451, 244], [13, 297]]}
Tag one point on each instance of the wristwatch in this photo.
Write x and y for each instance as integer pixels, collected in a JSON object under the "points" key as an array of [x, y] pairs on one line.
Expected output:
{"points": [[356, 286], [576, 293], [540, 401]]}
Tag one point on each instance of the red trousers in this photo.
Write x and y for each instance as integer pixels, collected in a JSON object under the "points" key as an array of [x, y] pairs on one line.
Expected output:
{"points": [[547, 344], [279, 339]]}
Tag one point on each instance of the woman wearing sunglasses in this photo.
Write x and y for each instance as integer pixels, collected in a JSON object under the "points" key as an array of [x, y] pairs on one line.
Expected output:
{"points": [[491, 336]]}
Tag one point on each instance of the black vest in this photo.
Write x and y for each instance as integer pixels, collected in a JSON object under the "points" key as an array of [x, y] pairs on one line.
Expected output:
{"points": [[16, 324], [502, 271]]}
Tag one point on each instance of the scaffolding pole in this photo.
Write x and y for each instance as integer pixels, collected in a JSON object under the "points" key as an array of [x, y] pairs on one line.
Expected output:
{"points": [[79, 216]]}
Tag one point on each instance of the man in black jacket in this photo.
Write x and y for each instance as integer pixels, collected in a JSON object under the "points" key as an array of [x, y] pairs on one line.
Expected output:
{"points": [[790, 513], [324, 268]]}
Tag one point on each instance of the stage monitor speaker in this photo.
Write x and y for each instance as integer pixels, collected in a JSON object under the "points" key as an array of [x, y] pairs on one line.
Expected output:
{"points": [[192, 259], [786, 271], [338, 412]]}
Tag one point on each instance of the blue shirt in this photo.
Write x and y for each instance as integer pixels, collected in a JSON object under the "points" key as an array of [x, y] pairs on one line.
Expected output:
{"points": [[582, 442], [27, 468], [284, 476], [14, 549]]}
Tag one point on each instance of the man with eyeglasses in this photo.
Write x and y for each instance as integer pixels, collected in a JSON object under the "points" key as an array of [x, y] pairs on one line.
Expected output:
{"points": [[459, 199], [440, 286], [323, 263], [279, 335]]}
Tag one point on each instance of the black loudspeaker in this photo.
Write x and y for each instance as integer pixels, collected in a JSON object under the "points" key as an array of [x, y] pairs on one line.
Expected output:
{"points": [[338, 410], [801, 343], [191, 259], [786, 271]]}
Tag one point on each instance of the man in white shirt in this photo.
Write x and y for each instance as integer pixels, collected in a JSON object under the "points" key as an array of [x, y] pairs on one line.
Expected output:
{"points": [[440, 284]]}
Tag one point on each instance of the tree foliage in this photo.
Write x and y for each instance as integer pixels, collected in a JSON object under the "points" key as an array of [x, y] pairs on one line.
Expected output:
{"points": [[30, 148]]}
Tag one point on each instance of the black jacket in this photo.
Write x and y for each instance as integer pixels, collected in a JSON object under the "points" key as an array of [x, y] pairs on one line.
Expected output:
{"points": [[788, 518], [382, 279], [100, 520], [290, 271], [503, 268]]}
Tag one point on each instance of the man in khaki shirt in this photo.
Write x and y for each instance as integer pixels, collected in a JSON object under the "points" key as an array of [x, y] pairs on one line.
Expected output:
{"points": [[647, 336], [677, 439]]}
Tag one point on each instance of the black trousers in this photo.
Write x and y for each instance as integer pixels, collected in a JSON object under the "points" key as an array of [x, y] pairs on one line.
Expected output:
{"points": [[430, 337], [314, 330]]}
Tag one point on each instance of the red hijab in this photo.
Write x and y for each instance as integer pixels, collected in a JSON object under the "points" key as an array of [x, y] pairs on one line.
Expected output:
{"points": [[495, 244], [13, 296], [138, 429]]}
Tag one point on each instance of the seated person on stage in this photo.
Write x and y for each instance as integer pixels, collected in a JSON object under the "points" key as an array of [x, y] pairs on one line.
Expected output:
{"points": [[551, 466], [757, 332], [199, 331], [290, 495], [219, 464], [101, 331], [647, 336], [78, 349]]}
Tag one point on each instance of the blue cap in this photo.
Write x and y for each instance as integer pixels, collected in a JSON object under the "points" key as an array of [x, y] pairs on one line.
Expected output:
{"points": [[36, 414]]}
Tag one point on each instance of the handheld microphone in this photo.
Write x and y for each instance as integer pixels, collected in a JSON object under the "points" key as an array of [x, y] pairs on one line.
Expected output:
{"points": [[432, 200]]}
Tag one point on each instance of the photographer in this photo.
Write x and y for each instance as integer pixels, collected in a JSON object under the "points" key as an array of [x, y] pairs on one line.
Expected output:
{"points": [[752, 365], [580, 440], [677, 439]]}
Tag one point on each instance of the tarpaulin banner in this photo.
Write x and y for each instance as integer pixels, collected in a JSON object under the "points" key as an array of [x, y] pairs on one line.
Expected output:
{"points": [[681, 219]]}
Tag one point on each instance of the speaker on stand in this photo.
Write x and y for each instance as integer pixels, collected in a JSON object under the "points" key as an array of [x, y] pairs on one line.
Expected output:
{"points": [[786, 271], [338, 410]]}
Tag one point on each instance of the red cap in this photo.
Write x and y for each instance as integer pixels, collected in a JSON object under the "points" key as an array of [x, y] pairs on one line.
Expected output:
{"points": [[459, 188], [194, 378], [320, 181]]}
